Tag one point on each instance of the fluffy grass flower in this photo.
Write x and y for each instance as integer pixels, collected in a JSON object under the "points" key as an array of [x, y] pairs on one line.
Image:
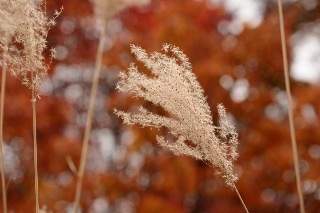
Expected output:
{"points": [[6, 23], [24, 29], [174, 87], [29, 29]]}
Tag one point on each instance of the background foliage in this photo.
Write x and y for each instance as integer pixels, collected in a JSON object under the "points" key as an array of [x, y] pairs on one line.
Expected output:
{"points": [[126, 170]]}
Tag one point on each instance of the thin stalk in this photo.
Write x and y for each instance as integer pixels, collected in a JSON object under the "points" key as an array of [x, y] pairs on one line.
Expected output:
{"points": [[290, 108], [243, 204], [86, 136], [35, 148], [3, 88]]}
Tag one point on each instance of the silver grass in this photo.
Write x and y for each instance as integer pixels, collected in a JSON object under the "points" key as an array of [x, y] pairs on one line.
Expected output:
{"points": [[174, 87], [6, 23], [23, 31], [25, 28]]}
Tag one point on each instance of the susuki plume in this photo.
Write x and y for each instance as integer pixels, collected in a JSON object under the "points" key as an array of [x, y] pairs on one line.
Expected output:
{"points": [[24, 29], [175, 88], [6, 22]]}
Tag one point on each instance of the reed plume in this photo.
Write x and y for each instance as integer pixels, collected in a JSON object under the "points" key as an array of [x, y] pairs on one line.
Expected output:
{"points": [[175, 88], [23, 48]]}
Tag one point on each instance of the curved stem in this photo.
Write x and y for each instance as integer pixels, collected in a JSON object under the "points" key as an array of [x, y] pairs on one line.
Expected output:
{"points": [[86, 136], [290, 108], [3, 88], [243, 204]]}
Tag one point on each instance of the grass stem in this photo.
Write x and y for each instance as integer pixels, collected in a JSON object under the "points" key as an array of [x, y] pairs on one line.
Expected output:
{"points": [[87, 131], [3, 180], [290, 108], [242, 202], [35, 148]]}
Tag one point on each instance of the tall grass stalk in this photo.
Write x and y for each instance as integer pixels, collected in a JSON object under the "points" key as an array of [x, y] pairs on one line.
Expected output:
{"points": [[28, 29], [3, 88], [240, 198], [290, 108], [34, 121], [85, 143], [35, 148]]}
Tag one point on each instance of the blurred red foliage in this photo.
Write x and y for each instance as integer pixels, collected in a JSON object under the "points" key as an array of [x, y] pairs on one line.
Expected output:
{"points": [[127, 171]]}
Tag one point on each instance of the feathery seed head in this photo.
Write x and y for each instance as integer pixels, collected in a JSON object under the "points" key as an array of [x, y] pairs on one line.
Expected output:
{"points": [[174, 87], [5, 23], [26, 40]]}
